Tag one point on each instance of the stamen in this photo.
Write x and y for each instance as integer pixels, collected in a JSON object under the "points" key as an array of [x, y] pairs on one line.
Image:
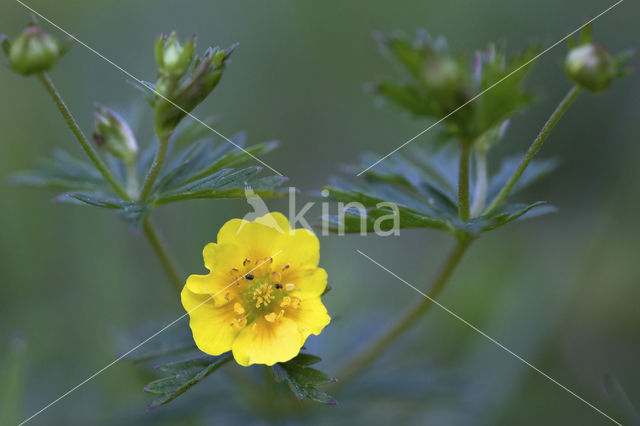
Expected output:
{"points": [[286, 301], [289, 286], [295, 303], [278, 286], [238, 309], [271, 317], [262, 295]]}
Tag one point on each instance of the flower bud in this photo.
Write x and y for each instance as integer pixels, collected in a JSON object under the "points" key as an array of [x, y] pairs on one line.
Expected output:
{"points": [[33, 51], [204, 77], [591, 66], [174, 59], [441, 73], [113, 134]]}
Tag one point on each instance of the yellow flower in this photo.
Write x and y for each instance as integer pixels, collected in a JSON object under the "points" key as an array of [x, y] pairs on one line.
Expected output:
{"points": [[261, 298]]}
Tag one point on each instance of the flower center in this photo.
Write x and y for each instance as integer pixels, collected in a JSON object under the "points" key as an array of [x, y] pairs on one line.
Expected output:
{"points": [[262, 293]]}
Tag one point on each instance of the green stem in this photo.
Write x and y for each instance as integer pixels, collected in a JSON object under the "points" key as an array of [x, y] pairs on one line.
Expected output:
{"points": [[159, 247], [463, 181], [480, 192], [149, 230], [156, 166], [369, 354], [86, 145], [562, 107]]}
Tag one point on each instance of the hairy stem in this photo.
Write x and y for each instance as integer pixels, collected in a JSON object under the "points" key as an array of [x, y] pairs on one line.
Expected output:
{"points": [[149, 230], [463, 182], [159, 247], [86, 145], [402, 324], [156, 166], [562, 107], [480, 192]]}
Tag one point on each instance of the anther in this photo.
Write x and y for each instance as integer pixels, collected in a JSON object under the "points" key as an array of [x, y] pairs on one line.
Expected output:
{"points": [[289, 286], [278, 286], [249, 277], [238, 309]]}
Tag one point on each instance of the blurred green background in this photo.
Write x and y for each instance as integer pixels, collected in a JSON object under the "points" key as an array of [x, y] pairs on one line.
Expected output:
{"points": [[561, 290]]}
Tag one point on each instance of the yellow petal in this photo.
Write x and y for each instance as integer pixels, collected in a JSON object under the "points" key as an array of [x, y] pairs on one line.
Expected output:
{"points": [[256, 240], [275, 220], [222, 257], [267, 343], [300, 249], [307, 284], [210, 325], [311, 317]]}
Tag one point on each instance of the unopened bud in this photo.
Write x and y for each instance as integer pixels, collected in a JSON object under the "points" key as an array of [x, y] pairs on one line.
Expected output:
{"points": [[441, 72], [173, 58], [113, 134], [591, 66], [33, 51]]}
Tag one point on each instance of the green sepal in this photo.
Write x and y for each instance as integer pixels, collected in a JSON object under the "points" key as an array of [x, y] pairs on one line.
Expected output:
{"points": [[302, 379]]}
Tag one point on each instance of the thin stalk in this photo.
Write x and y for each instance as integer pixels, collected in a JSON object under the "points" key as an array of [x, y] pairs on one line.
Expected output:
{"points": [[463, 181], [480, 192], [156, 166], [402, 324], [86, 145], [562, 107], [149, 230], [159, 247]]}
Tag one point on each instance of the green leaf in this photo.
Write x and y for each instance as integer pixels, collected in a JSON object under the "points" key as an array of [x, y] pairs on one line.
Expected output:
{"points": [[184, 375], [225, 183], [191, 131], [202, 168], [620, 402], [132, 211], [302, 379], [506, 215], [148, 94], [500, 80], [439, 85], [62, 171], [537, 169]]}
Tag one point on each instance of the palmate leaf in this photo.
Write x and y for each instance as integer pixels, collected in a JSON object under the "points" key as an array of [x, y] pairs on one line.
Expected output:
{"points": [[423, 187], [304, 380], [507, 215], [196, 168], [183, 375], [62, 172], [131, 211]]}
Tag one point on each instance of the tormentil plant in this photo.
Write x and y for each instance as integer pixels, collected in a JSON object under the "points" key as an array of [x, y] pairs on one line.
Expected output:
{"points": [[261, 299], [270, 302], [432, 185]]}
